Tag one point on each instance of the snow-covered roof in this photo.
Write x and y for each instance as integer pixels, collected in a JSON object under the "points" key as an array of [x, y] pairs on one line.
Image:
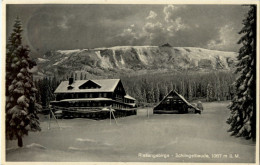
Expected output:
{"points": [[86, 99], [183, 99], [107, 85], [129, 97], [180, 96]]}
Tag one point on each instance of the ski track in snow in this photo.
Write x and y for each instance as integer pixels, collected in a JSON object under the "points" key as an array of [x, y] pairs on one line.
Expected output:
{"points": [[93, 141], [105, 63], [35, 145], [122, 60], [85, 140], [114, 57], [141, 55]]}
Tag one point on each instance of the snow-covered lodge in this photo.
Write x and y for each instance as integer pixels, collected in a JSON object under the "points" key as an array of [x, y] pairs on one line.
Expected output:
{"points": [[93, 98], [172, 103]]}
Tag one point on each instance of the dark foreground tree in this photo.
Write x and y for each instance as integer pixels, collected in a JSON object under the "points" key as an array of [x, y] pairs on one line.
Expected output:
{"points": [[21, 108], [242, 119]]}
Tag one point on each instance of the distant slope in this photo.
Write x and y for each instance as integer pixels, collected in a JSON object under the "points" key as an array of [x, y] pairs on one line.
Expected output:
{"points": [[134, 60]]}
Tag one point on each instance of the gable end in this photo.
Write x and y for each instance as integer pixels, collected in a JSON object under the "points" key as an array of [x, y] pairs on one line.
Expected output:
{"points": [[90, 85]]}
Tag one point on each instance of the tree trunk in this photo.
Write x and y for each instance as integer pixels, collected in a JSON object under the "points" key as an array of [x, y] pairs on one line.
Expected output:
{"points": [[20, 141]]}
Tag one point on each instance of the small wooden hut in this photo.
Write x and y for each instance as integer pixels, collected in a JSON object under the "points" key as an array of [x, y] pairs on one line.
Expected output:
{"points": [[173, 103]]}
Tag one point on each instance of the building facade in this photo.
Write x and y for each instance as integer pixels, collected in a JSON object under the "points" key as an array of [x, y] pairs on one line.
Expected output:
{"points": [[93, 98]]}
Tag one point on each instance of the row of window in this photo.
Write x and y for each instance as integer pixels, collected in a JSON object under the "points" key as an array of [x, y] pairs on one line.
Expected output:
{"points": [[172, 101], [81, 95], [115, 105], [129, 101], [94, 104], [87, 104], [91, 87], [91, 95]]}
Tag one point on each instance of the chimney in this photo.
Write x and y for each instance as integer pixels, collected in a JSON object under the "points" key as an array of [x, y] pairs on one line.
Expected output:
{"points": [[71, 80]]}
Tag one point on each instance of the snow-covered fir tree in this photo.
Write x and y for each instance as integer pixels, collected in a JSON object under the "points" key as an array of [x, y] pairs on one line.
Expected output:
{"points": [[190, 91], [242, 119], [157, 93], [21, 108]]}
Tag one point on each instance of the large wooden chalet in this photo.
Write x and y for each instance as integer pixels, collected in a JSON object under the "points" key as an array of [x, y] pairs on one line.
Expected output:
{"points": [[173, 103], [93, 98]]}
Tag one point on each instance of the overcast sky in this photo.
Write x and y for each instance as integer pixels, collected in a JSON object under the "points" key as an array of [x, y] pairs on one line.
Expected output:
{"points": [[54, 27]]}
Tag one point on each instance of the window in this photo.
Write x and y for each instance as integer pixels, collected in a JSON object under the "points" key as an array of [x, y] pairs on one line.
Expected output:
{"points": [[105, 94], [168, 101]]}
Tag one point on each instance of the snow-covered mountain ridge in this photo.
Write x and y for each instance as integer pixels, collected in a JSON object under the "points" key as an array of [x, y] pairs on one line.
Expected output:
{"points": [[134, 59]]}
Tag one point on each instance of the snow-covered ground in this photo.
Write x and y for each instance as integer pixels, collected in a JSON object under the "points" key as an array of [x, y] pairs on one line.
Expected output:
{"points": [[68, 51], [159, 138], [42, 60]]}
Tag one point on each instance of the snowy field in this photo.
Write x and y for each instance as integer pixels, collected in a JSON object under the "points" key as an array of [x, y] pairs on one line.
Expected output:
{"points": [[159, 138]]}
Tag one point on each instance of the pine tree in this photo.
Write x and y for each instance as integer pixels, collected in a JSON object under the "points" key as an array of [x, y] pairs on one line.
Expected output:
{"points": [[209, 92], [37, 86], [195, 89], [225, 90], [183, 88], [217, 88], [54, 84], [242, 119], [14, 47], [21, 107], [150, 94], [81, 76], [171, 86], [46, 92], [190, 91], [157, 94], [166, 90], [138, 93], [144, 99]]}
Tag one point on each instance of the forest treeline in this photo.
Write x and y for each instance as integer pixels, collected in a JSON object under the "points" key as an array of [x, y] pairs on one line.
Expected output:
{"points": [[151, 88]]}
